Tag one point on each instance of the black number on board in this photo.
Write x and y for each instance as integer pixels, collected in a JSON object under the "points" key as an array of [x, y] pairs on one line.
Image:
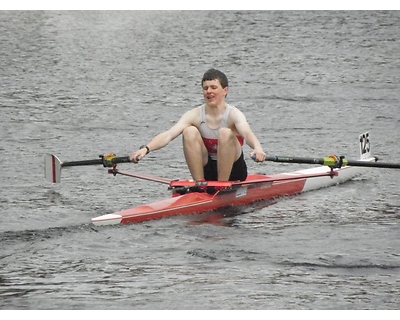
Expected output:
{"points": [[364, 143]]}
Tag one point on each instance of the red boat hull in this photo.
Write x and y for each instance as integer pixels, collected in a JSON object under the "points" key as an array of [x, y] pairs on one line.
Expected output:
{"points": [[197, 202]]}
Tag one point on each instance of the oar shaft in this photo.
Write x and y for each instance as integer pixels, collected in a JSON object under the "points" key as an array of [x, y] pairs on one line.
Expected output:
{"points": [[81, 163], [373, 164], [102, 161], [332, 162], [296, 160]]}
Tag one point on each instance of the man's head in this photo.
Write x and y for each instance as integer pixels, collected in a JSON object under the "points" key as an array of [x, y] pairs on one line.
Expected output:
{"points": [[215, 86], [214, 74]]}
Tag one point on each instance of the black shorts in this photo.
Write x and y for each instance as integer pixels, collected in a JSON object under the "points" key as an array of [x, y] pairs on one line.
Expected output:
{"points": [[239, 170]]}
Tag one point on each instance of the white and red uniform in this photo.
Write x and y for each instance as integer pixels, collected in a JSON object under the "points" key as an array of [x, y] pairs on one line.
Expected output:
{"points": [[210, 136]]}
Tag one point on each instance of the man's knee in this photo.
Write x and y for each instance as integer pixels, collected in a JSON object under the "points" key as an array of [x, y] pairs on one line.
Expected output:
{"points": [[190, 132], [226, 135]]}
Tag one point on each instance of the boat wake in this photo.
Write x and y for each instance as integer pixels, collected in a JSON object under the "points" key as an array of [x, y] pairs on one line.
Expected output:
{"points": [[8, 238]]}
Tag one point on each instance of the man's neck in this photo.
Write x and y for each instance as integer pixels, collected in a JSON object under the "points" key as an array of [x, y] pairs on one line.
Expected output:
{"points": [[216, 109]]}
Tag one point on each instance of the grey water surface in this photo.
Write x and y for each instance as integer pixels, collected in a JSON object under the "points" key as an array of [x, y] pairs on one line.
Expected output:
{"points": [[84, 83]]}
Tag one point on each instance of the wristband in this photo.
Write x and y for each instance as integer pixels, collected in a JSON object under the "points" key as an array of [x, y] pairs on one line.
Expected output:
{"points": [[147, 148]]}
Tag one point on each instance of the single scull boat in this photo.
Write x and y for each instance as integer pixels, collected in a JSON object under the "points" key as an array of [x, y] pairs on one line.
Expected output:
{"points": [[191, 197]]}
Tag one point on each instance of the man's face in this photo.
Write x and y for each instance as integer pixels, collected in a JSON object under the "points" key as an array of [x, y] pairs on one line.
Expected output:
{"points": [[213, 92]]}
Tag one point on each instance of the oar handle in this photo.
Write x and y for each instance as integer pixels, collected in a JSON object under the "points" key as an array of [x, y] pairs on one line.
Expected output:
{"points": [[106, 162]]}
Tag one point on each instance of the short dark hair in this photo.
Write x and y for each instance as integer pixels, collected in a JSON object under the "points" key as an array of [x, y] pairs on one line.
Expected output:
{"points": [[214, 74]]}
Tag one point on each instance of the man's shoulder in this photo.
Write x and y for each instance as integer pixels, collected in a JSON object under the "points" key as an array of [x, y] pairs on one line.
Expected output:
{"points": [[192, 115], [232, 109], [235, 115], [195, 110]]}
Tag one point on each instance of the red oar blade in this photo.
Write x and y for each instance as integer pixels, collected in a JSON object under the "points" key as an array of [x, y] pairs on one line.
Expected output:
{"points": [[52, 168]]}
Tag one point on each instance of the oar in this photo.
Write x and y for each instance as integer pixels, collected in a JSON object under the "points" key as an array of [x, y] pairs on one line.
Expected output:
{"points": [[333, 162], [53, 165]]}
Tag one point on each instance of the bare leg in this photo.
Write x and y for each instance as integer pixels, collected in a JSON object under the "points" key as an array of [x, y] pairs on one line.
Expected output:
{"points": [[229, 151], [195, 152]]}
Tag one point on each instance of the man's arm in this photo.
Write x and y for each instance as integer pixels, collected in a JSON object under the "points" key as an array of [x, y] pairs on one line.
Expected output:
{"points": [[164, 138], [244, 129]]}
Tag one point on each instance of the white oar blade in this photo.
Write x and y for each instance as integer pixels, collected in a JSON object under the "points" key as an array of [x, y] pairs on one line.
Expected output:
{"points": [[52, 168]]}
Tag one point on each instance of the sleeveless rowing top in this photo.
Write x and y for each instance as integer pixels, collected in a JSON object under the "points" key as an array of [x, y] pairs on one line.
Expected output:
{"points": [[210, 136]]}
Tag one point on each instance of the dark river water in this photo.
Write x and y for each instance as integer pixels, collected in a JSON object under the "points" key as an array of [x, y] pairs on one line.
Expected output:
{"points": [[84, 83]]}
